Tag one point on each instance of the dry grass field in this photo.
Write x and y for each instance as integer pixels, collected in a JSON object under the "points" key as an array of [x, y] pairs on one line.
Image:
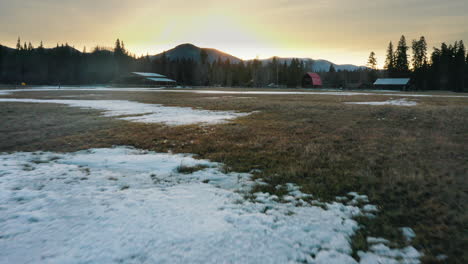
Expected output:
{"points": [[411, 161]]}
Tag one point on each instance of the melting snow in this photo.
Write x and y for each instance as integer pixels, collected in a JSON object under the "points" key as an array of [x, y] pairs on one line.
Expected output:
{"points": [[400, 102], [132, 206], [408, 233], [147, 113]]}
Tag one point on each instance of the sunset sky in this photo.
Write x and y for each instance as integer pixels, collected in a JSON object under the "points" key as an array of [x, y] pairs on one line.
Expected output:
{"points": [[343, 31]]}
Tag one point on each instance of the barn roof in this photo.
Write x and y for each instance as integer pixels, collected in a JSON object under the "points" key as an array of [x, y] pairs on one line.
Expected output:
{"points": [[316, 80], [149, 74], [161, 79], [392, 81]]}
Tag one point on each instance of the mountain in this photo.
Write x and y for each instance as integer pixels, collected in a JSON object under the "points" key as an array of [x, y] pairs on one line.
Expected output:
{"points": [[319, 65], [189, 51], [6, 49], [58, 48], [324, 65]]}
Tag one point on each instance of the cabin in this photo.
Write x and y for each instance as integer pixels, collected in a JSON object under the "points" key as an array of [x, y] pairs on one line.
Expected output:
{"points": [[312, 80], [145, 79], [392, 84]]}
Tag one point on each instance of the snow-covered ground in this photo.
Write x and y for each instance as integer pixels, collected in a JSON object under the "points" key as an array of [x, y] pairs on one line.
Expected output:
{"points": [[337, 93], [399, 102], [123, 205], [146, 113], [79, 88]]}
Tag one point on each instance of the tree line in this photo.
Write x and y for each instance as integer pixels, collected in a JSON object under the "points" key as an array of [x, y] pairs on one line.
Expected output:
{"points": [[66, 65], [253, 73], [62, 64], [446, 68]]}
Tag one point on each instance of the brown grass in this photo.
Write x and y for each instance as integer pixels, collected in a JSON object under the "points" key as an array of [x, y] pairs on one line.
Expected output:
{"points": [[411, 161]]}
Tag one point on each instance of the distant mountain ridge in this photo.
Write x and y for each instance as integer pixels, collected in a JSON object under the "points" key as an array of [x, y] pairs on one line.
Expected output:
{"points": [[190, 51], [319, 65], [6, 48], [61, 47]]}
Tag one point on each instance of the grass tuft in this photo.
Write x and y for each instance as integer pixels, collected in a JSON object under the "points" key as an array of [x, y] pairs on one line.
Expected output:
{"points": [[183, 169]]}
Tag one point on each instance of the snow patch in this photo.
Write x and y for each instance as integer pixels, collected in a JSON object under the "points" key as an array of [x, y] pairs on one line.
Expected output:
{"points": [[400, 102], [80, 95], [408, 233], [377, 240], [382, 254], [146, 113], [133, 206]]}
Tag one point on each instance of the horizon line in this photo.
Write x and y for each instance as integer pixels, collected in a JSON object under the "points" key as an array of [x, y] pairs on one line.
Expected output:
{"points": [[110, 48]]}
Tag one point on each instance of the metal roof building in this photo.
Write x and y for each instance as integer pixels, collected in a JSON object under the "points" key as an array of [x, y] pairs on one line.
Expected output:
{"points": [[149, 74], [393, 83], [161, 80], [145, 79]]}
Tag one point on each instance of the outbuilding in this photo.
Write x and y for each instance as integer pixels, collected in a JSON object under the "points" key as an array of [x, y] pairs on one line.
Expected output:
{"points": [[392, 83], [312, 80], [145, 79]]}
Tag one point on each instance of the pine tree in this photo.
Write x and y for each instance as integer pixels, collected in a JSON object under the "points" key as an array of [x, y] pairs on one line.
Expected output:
{"points": [[255, 72], [372, 65], [203, 56], [419, 53], [401, 57], [372, 61], [332, 68], [274, 71], [419, 63], [18, 44], [466, 73], [440, 67], [120, 56], [1, 61], [460, 66], [123, 47], [118, 47], [390, 60], [163, 63]]}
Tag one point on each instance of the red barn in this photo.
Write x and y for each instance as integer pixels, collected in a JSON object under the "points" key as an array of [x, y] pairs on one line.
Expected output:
{"points": [[312, 80]]}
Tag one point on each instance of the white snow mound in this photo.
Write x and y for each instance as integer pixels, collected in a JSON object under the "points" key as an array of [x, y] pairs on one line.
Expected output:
{"points": [[123, 205], [400, 102], [146, 113]]}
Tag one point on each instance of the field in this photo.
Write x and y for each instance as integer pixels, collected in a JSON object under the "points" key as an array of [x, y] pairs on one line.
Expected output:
{"points": [[411, 161]]}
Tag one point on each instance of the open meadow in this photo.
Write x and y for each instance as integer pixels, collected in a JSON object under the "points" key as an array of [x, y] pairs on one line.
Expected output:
{"points": [[407, 152]]}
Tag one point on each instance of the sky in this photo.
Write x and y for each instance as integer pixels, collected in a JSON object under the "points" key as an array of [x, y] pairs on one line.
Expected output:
{"points": [[342, 31]]}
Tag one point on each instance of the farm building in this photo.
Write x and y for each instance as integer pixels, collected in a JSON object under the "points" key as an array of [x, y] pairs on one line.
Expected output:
{"points": [[392, 84], [312, 80], [145, 79]]}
